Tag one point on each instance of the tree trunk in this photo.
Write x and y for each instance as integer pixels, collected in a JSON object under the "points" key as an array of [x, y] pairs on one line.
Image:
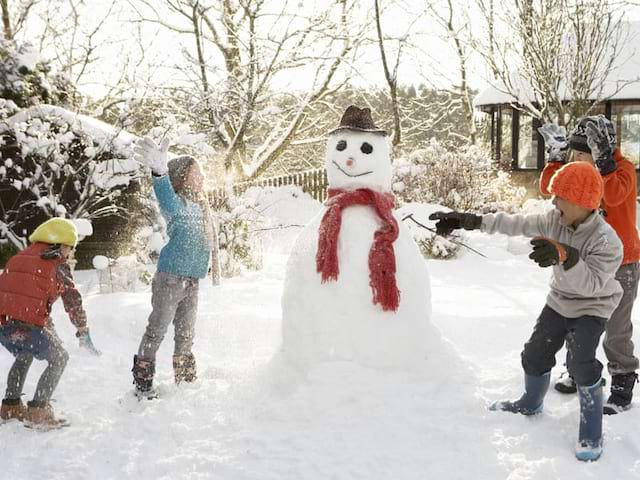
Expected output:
{"points": [[6, 20], [392, 81]]}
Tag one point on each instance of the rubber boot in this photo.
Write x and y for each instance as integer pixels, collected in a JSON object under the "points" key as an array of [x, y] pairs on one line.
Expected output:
{"points": [[530, 403], [621, 393], [589, 446], [184, 368], [13, 409], [143, 372], [40, 415]]}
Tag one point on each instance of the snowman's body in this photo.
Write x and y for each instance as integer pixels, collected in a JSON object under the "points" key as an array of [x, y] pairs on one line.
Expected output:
{"points": [[337, 320]]}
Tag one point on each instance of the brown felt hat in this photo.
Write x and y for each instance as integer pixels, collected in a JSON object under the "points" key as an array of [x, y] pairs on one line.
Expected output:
{"points": [[358, 119]]}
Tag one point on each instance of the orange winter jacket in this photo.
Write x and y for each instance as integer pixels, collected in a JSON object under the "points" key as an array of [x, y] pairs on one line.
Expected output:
{"points": [[619, 202]]}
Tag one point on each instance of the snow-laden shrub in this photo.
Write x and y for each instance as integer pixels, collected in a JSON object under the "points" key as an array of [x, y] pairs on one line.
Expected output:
{"points": [[238, 222], [56, 163], [26, 79], [415, 216], [436, 246], [464, 180]]}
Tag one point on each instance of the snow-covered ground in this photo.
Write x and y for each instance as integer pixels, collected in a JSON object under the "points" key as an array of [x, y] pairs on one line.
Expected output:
{"points": [[251, 416]]}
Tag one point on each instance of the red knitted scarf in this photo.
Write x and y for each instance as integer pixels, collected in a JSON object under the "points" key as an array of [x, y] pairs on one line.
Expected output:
{"points": [[382, 258]]}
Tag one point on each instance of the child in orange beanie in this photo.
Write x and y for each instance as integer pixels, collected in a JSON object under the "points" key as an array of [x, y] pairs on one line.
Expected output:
{"points": [[584, 252], [594, 141]]}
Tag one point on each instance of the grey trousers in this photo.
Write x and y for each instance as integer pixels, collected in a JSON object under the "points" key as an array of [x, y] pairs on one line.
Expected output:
{"points": [[174, 298], [47, 346], [618, 345]]}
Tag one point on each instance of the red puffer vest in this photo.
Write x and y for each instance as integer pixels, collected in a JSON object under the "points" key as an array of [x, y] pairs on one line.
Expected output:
{"points": [[28, 286]]}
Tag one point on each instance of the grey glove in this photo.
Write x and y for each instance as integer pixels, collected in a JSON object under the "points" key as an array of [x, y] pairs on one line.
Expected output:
{"points": [[148, 153], [555, 142], [600, 145]]}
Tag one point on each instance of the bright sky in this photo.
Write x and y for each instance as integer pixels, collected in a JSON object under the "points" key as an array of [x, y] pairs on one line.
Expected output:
{"points": [[428, 54]]}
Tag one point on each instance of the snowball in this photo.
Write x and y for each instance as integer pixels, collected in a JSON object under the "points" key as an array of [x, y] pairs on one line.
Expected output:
{"points": [[84, 227], [156, 242], [100, 262], [8, 163]]}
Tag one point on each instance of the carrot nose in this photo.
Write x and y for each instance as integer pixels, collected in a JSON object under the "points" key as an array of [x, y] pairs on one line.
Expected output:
{"points": [[349, 162]]}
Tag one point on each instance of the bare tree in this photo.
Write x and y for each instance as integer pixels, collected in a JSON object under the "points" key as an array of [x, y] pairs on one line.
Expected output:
{"points": [[239, 48], [459, 36], [14, 16], [553, 56]]}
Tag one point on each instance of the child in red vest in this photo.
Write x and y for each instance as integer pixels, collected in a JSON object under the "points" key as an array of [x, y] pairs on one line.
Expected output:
{"points": [[31, 282]]}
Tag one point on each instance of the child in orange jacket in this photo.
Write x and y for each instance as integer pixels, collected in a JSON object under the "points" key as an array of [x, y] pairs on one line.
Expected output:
{"points": [[594, 141]]}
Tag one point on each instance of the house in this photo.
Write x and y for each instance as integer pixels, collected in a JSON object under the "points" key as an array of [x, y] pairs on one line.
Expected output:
{"points": [[513, 134]]}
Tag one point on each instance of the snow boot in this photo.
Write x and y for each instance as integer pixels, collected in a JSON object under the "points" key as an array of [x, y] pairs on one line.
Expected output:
{"points": [[184, 368], [143, 372], [589, 446], [530, 403], [40, 415], [13, 409], [621, 393], [566, 384]]}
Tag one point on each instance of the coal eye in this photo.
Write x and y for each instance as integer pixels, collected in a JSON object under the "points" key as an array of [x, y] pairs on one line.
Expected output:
{"points": [[366, 148], [342, 144]]}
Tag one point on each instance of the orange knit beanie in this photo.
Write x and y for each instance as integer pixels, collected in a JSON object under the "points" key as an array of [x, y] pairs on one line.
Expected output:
{"points": [[579, 183]]}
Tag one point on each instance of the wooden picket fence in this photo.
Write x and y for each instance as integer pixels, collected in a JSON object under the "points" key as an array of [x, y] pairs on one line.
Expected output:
{"points": [[313, 182]]}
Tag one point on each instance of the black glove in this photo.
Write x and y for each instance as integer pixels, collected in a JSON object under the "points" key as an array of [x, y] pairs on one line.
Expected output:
{"points": [[600, 145], [450, 221], [547, 252]]}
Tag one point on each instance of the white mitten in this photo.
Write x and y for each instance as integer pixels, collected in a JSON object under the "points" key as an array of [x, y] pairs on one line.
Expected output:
{"points": [[148, 153], [555, 142]]}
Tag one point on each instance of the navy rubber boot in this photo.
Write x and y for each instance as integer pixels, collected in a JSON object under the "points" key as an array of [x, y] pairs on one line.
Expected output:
{"points": [[589, 446], [530, 403]]}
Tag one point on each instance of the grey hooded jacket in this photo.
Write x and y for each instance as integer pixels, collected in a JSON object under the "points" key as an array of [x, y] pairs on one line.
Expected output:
{"points": [[589, 287]]}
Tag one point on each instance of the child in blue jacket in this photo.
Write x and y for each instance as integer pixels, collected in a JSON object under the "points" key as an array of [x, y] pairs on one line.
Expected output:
{"points": [[184, 260]]}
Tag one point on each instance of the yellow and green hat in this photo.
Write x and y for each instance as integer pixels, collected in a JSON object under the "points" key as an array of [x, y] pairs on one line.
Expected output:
{"points": [[56, 230]]}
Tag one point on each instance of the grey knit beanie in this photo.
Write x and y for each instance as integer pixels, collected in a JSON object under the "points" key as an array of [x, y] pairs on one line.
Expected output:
{"points": [[178, 168]]}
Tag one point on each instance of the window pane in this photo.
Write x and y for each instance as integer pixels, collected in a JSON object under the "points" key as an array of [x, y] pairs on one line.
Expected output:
{"points": [[506, 153], [527, 144], [626, 118]]}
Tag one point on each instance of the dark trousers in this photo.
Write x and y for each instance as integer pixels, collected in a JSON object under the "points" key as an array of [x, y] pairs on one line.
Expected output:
{"points": [[582, 336]]}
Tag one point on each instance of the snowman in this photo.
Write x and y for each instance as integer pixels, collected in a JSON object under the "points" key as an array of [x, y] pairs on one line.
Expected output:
{"points": [[357, 288]]}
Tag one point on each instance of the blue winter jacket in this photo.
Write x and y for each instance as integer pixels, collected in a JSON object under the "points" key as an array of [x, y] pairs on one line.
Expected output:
{"points": [[188, 250]]}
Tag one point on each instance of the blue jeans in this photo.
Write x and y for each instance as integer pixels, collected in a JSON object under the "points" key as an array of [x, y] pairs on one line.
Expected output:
{"points": [[27, 342]]}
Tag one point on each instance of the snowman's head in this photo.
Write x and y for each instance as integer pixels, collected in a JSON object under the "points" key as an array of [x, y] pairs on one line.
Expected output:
{"points": [[356, 159]]}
